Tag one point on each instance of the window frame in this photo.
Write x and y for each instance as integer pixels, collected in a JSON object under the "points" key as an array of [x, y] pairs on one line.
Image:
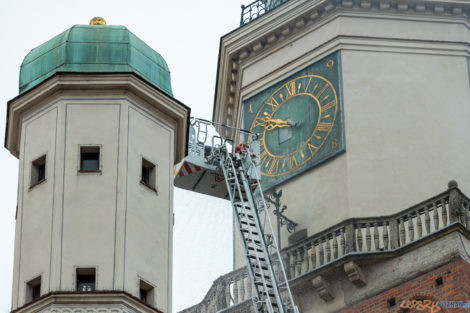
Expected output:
{"points": [[85, 272], [149, 290], [36, 164], [152, 175], [99, 149], [30, 289]]}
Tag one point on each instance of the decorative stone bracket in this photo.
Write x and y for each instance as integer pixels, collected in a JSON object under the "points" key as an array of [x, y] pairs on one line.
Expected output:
{"points": [[355, 274], [323, 287]]}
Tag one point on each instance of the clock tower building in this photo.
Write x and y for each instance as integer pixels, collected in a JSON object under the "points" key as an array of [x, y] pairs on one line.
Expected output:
{"points": [[361, 108]]}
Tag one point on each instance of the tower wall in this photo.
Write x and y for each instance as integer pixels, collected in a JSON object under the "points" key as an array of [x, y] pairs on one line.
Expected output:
{"points": [[106, 220], [404, 84]]}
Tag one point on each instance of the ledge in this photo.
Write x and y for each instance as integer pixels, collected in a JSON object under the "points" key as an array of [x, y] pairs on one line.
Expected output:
{"points": [[104, 297]]}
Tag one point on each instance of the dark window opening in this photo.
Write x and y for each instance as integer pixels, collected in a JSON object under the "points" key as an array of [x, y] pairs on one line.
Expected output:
{"points": [[148, 174], [143, 295], [391, 302], [38, 171], [33, 291], [439, 281], [86, 279], [89, 159], [146, 292]]}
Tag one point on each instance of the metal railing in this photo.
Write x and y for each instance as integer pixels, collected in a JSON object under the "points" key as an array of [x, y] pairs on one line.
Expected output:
{"points": [[258, 8]]}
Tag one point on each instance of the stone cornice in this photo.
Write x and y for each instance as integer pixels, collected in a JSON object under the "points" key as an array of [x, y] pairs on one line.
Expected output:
{"points": [[178, 113], [87, 298], [278, 28]]}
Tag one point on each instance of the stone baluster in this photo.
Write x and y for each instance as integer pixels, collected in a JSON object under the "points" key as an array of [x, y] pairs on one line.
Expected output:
{"points": [[335, 246], [299, 261], [359, 238], [427, 220], [411, 228], [401, 227], [419, 224], [376, 236], [368, 237], [394, 234], [467, 209], [228, 296], [385, 235], [235, 291], [343, 242], [241, 292], [292, 264], [328, 249], [313, 256], [350, 238], [435, 216], [320, 252], [286, 261], [444, 212], [306, 261]]}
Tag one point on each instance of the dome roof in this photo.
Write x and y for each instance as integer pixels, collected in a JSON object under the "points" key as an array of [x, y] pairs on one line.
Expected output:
{"points": [[95, 49]]}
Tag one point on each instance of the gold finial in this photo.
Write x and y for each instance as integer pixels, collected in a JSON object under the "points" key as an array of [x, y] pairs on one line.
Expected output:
{"points": [[97, 21]]}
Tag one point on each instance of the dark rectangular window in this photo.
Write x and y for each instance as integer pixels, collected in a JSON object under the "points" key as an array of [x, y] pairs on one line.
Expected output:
{"points": [[86, 279], [33, 289], [143, 295], [38, 171], [89, 159], [148, 174], [146, 293], [36, 292]]}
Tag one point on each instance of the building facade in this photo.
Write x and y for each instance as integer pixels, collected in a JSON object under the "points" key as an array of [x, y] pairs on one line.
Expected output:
{"points": [[97, 131], [362, 109]]}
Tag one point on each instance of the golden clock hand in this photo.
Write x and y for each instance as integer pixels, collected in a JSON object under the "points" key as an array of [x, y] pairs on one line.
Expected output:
{"points": [[275, 123]]}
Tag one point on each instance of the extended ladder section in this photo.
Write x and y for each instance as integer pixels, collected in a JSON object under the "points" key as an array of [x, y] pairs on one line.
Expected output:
{"points": [[242, 187]]}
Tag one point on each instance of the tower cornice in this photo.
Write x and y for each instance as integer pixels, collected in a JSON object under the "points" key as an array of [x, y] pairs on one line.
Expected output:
{"points": [[62, 83], [279, 28]]}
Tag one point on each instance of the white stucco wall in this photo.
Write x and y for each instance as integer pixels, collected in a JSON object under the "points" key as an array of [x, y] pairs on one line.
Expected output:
{"points": [[107, 220], [406, 103]]}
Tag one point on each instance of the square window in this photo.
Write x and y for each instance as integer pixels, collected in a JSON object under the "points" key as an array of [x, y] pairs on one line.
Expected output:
{"points": [[38, 171], [148, 174], [86, 279], [89, 159], [146, 292], [33, 289]]}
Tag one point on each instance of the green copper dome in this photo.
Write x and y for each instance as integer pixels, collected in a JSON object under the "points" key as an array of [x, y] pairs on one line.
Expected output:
{"points": [[95, 49]]}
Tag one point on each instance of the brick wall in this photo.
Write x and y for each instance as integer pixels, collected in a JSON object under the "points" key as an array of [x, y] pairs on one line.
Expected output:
{"points": [[455, 287]]}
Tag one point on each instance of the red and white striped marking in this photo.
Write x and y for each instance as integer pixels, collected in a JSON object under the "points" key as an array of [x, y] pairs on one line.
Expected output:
{"points": [[188, 169]]}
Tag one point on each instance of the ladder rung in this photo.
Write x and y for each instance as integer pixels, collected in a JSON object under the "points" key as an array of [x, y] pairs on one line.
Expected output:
{"points": [[254, 257], [247, 223], [257, 249], [247, 231]]}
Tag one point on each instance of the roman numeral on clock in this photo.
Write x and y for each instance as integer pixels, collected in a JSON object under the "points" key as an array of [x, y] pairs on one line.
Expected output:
{"points": [[324, 126], [273, 103], [293, 162], [290, 87]]}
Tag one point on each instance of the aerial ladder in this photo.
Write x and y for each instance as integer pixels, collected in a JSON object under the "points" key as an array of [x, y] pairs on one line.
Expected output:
{"points": [[215, 167]]}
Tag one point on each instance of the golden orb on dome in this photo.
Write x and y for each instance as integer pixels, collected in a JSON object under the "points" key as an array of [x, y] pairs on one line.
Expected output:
{"points": [[97, 21]]}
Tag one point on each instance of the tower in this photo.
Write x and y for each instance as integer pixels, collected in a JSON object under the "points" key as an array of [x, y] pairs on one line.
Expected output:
{"points": [[362, 110], [97, 131]]}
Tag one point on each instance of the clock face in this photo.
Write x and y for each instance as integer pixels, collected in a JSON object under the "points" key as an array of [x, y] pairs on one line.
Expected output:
{"points": [[298, 121]]}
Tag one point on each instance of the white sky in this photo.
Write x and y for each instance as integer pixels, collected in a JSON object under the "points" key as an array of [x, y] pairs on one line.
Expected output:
{"points": [[186, 33]]}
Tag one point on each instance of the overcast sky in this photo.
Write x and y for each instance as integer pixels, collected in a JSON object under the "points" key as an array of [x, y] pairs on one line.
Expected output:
{"points": [[186, 33]]}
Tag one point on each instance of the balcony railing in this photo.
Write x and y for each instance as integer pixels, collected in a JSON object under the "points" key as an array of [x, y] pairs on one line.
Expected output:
{"points": [[258, 8], [358, 236]]}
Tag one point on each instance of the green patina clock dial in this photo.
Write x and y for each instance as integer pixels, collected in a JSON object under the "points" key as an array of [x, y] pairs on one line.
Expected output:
{"points": [[298, 121]]}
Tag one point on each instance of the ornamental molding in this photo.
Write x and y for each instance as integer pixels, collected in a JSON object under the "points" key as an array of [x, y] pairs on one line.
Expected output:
{"points": [[174, 113], [87, 302], [278, 28]]}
